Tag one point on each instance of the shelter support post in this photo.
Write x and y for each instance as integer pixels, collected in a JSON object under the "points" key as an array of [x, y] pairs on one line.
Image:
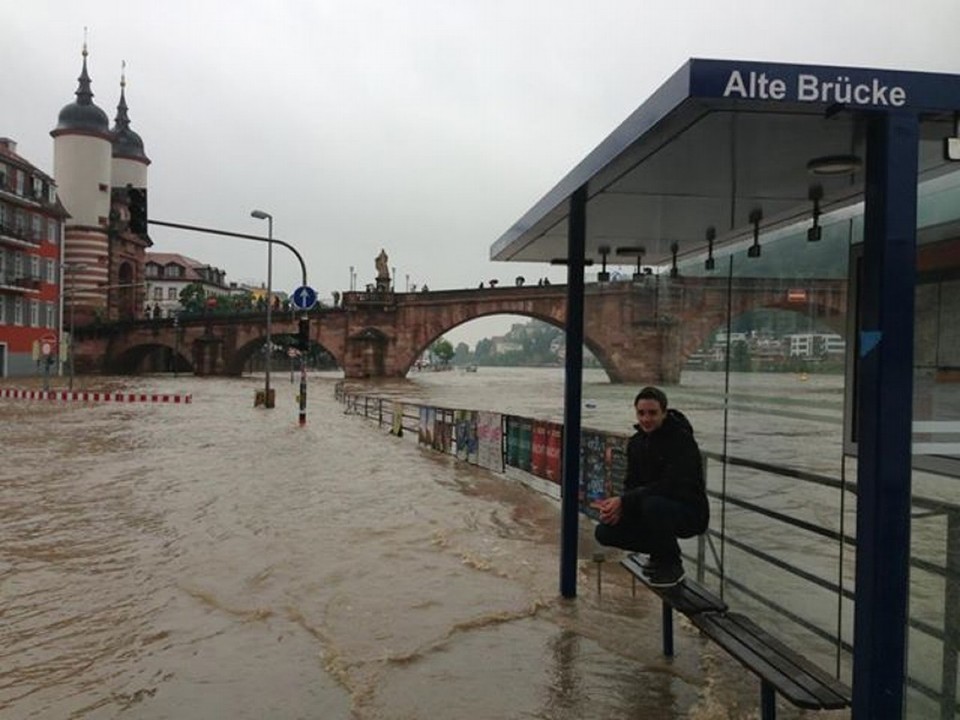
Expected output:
{"points": [[884, 415], [951, 619], [573, 390]]}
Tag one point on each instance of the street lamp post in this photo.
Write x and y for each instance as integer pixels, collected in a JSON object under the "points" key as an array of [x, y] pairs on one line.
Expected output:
{"points": [[71, 268], [261, 215]]}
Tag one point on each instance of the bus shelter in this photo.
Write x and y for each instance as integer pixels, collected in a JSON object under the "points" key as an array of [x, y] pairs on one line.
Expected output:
{"points": [[829, 193]]}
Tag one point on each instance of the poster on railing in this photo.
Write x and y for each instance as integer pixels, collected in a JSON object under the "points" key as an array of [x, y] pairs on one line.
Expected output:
{"points": [[466, 440], [525, 444], [490, 440], [538, 448], [427, 417], [553, 467], [443, 430], [616, 463], [593, 474], [513, 440]]}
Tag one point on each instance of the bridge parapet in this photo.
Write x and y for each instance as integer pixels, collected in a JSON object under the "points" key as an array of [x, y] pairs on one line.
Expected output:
{"points": [[641, 332]]}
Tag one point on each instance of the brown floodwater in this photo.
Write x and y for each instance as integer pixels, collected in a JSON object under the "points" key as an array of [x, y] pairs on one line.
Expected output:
{"points": [[211, 560]]}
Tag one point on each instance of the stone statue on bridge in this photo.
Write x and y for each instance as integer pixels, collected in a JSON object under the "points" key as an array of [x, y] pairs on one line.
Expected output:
{"points": [[383, 271]]}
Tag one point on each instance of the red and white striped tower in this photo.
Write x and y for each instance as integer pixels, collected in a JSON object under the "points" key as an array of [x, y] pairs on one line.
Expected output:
{"points": [[82, 157]]}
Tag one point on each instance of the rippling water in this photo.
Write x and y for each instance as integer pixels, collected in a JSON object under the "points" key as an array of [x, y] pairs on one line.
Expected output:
{"points": [[215, 561]]}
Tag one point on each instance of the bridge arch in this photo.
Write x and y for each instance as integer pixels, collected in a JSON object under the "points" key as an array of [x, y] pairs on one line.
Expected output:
{"points": [[238, 359], [148, 357]]}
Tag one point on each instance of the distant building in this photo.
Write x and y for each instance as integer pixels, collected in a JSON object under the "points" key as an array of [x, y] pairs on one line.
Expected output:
{"points": [[31, 228], [167, 274]]}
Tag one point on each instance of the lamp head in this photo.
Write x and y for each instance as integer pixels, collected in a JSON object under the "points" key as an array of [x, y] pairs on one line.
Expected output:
{"points": [[261, 215]]}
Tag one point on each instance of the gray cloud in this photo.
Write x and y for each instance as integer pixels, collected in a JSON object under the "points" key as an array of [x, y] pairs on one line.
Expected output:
{"points": [[423, 127]]}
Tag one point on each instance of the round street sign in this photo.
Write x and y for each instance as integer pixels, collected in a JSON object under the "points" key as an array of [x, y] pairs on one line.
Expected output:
{"points": [[304, 297], [45, 348]]}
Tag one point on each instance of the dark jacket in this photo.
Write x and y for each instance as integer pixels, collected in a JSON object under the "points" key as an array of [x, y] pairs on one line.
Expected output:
{"points": [[666, 462]]}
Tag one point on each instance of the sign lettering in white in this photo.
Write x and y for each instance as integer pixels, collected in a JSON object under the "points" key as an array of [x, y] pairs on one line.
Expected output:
{"points": [[812, 88]]}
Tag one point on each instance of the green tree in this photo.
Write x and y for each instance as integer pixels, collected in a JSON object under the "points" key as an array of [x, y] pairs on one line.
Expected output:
{"points": [[192, 298], [443, 350]]}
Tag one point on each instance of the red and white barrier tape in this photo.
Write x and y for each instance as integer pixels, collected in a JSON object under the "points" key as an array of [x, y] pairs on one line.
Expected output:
{"points": [[87, 396]]}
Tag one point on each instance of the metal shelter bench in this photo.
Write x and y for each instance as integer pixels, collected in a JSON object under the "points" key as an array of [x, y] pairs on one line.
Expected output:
{"points": [[779, 668]]}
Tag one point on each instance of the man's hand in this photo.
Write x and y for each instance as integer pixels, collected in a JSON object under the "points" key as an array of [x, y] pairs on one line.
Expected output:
{"points": [[610, 510]]}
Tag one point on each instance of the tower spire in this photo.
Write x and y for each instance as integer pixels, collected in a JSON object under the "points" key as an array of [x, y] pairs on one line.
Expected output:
{"points": [[122, 121], [84, 94]]}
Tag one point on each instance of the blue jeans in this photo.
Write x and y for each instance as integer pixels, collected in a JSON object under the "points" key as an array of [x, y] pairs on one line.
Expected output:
{"points": [[654, 529]]}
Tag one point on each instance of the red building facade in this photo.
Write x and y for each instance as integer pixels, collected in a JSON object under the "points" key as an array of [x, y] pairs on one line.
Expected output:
{"points": [[31, 232]]}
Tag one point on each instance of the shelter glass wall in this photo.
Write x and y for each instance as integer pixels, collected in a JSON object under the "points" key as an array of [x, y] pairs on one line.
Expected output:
{"points": [[768, 381]]}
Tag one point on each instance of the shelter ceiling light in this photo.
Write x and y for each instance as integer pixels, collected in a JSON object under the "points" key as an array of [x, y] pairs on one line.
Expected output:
{"points": [[830, 165], [563, 261], [756, 215], [637, 250], [709, 263], [603, 276], [816, 195]]}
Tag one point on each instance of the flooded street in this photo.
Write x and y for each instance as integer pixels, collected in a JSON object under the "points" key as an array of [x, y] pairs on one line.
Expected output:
{"points": [[211, 560]]}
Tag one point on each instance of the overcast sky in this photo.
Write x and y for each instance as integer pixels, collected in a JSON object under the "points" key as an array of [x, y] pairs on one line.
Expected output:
{"points": [[423, 127]]}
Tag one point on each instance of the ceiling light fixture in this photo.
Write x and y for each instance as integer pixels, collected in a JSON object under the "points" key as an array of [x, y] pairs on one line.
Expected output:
{"points": [[830, 165], [563, 261], [709, 263], [815, 232], [637, 250], [603, 276], [756, 216]]}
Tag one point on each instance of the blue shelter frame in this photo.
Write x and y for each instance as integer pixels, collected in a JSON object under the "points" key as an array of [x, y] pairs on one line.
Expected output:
{"points": [[720, 150]]}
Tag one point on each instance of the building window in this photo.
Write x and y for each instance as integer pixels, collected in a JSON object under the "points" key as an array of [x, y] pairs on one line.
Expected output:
{"points": [[173, 271], [20, 180], [35, 267], [53, 232], [171, 293], [3, 310], [37, 188], [51, 271], [4, 216], [151, 270], [51, 193], [51, 316], [18, 311], [158, 293], [34, 313], [18, 264], [3, 176], [36, 223], [19, 223]]}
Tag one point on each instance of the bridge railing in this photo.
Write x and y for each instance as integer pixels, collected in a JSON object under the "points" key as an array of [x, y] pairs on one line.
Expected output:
{"points": [[804, 599]]}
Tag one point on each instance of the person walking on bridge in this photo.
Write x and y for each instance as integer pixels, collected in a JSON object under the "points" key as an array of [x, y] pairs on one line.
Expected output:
{"points": [[664, 496]]}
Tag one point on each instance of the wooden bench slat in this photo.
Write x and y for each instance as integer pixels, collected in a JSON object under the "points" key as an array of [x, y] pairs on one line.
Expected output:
{"points": [[840, 692], [688, 597], [788, 672]]}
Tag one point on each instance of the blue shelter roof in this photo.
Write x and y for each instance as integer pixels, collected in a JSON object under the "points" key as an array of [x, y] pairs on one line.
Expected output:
{"points": [[722, 139]]}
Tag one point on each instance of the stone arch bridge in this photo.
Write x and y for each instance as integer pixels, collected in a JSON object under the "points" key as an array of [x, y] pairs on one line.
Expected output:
{"points": [[640, 332]]}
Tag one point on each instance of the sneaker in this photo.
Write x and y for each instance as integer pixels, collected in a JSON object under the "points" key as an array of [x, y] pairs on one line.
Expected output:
{"points": [[647, 564], [665, 575]]}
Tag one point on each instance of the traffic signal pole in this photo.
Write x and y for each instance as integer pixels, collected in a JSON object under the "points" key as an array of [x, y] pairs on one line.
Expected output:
{"points": [[303, 336]]}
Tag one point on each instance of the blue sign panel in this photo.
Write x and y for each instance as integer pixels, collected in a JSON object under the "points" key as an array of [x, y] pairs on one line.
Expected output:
{"points": [[304, 297], [823, 85]]}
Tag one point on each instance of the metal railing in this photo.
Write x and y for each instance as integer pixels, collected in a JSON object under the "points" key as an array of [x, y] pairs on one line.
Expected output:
{"points": [[947, 636]]}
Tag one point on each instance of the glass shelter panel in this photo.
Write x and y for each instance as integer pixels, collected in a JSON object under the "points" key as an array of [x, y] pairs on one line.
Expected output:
{"points": [[766, 385]]}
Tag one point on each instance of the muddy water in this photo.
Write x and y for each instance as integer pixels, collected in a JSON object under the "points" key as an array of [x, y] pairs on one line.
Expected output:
{"points": [[215, 561]]}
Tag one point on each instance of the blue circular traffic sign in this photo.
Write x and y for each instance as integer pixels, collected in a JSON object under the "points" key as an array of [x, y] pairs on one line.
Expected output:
{"points": [[304, 297]]}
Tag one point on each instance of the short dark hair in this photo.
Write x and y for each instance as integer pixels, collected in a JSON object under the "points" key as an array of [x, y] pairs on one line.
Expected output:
{"points": [[652, 393]]}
